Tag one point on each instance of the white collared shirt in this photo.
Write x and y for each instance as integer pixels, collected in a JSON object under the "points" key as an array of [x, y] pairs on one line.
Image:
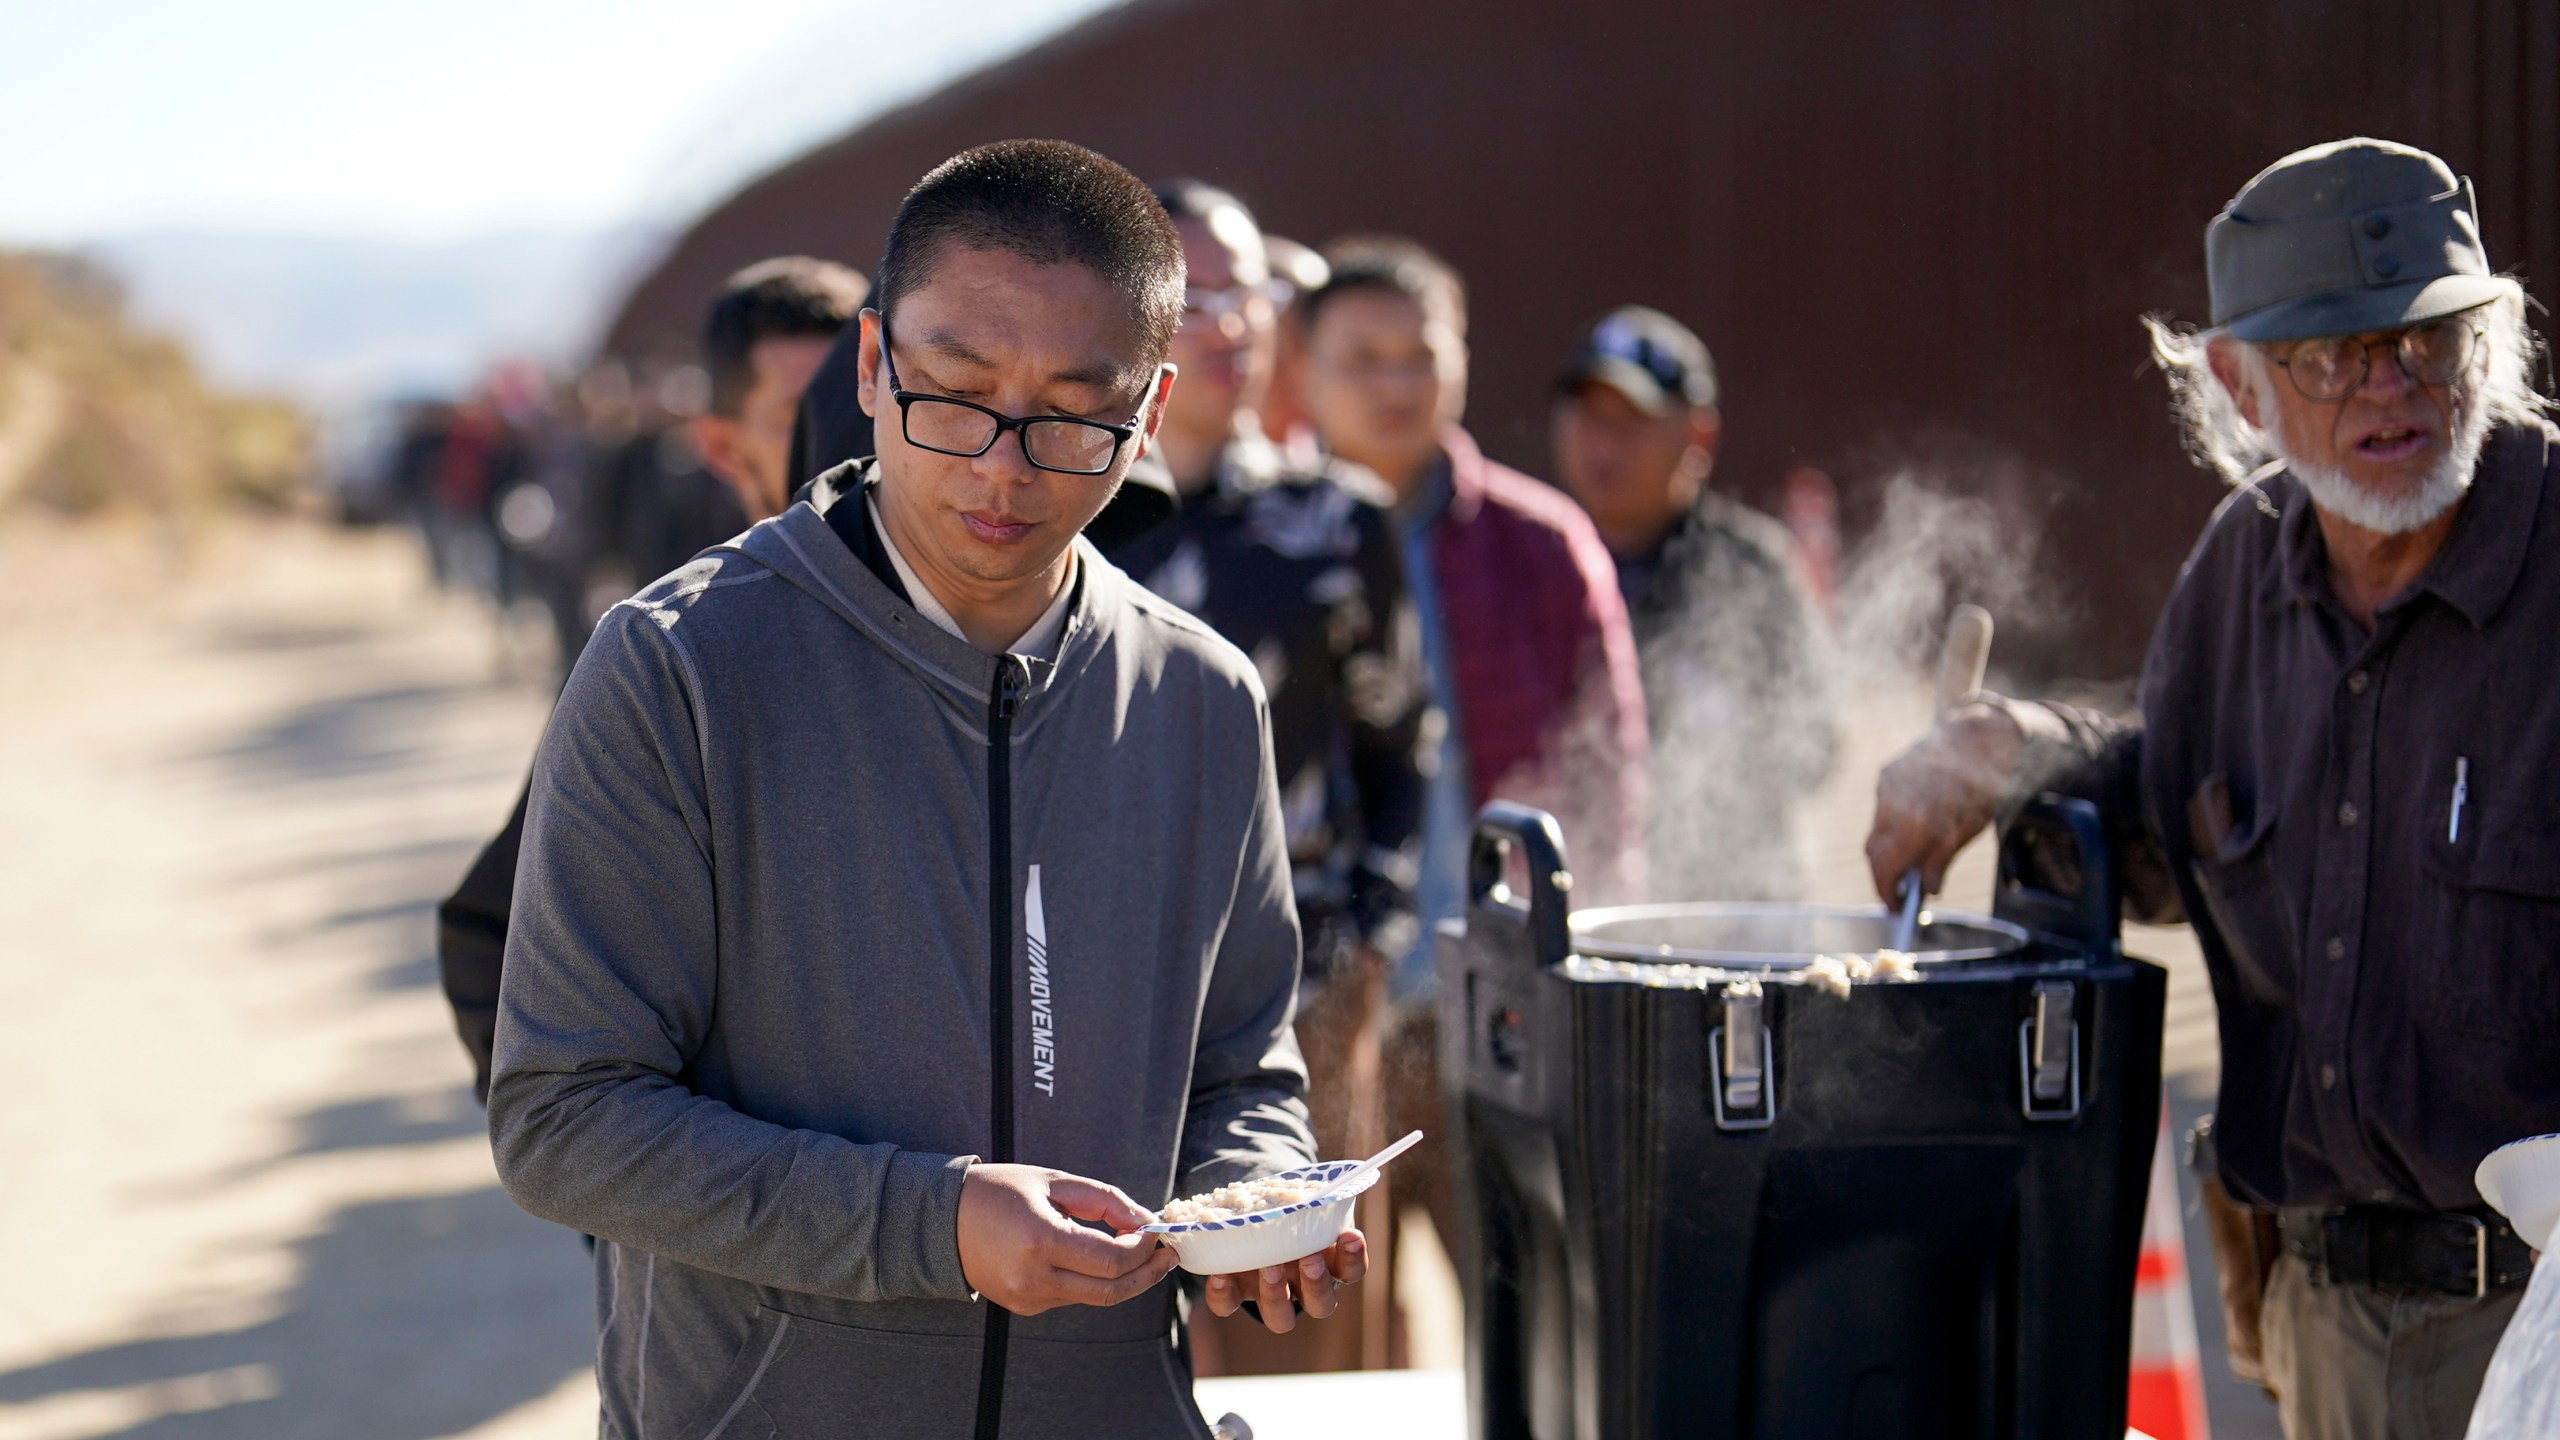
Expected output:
{"points": [[1040, 642]]}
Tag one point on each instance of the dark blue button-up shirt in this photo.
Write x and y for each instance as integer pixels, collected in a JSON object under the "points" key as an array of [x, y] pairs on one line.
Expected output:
{"points": [[2365, 830]]}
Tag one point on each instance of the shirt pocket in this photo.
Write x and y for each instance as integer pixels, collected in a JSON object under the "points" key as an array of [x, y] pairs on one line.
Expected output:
{"points": [[2497, 974], [2251, 913]]}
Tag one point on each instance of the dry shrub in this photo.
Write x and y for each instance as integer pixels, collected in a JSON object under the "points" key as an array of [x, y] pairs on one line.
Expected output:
{"points": [[99, 415]]}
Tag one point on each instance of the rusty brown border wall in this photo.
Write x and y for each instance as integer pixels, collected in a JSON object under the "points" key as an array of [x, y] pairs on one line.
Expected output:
{"points": [[1915, 232]]}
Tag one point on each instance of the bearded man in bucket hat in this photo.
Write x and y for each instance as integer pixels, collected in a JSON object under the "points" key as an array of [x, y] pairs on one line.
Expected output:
{"points": [[2346, 776]]}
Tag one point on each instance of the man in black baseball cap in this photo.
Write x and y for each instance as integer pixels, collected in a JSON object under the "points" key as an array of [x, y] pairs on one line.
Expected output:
{"points": [[1724, 632], [1635, 433], [2344, 775]]}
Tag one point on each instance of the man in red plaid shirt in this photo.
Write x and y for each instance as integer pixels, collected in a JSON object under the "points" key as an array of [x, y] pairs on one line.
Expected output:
{"points": [[1523, 629]]}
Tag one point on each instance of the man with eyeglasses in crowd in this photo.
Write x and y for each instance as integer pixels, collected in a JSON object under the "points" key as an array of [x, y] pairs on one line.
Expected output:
{"points": [[1296, 565], [905, 890], [1735, 682], [2344, 776], [1284, 412]]}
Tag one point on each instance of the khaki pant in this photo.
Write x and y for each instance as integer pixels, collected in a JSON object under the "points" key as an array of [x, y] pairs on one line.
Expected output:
{"points": [[2348, 1363]]}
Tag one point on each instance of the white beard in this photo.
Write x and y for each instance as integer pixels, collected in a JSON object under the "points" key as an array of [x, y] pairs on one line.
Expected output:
{"points": [[2443, 486]]}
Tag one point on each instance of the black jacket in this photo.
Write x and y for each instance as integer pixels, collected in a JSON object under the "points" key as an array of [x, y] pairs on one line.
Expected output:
{"points": [[1299, 570], [1737, 688]]}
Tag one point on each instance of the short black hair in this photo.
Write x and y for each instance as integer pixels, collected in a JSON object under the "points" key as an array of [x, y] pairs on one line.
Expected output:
{"points": [[788, 298], [1188, 199], [1050, 203], [1394, 264]]}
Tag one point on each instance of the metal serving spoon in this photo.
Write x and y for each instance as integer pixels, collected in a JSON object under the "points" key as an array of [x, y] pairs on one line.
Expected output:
{"points": [[1960, 666]]}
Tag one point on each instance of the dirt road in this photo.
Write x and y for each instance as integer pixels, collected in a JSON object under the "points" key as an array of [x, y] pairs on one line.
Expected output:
{"points": [[249, 1190]]}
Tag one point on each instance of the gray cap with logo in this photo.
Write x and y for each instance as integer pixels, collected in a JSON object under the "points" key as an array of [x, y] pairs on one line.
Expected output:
{"points": [[2347, 237]]}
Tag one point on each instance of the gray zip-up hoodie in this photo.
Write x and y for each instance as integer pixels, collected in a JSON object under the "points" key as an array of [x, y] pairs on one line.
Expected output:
{"points": [[744, 1033]]}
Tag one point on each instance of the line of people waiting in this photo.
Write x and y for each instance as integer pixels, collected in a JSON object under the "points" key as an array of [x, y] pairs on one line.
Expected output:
{"points": [[736, 1039], [1433, 630]]}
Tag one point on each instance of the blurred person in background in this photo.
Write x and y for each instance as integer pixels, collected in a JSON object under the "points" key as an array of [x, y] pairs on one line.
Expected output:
{"points": [[419, 434], [810, 818], [1297, 567], [767, 335], [1524, 635], [1809, 503], [604, 412], [766, 330], [476, 456], [650, 503], [1734, 680], [661, 503], [830, 426], [1284, 411], [542, 519], [2344, 776], [519, 397]]}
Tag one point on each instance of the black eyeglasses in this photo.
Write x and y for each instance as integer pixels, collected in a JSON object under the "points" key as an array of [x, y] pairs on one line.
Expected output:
{"points": [[1050, 442], [2334, 367]]}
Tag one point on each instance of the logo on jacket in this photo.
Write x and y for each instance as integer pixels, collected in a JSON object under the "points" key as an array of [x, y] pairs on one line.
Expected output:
{"points": [[1183, 578], [1044, 1021]]}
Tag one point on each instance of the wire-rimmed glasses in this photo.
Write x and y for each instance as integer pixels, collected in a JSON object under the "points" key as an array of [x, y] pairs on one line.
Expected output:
{"points": [[2333, 367]]}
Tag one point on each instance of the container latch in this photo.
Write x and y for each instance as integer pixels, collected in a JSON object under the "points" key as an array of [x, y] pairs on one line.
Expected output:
{"points": [[2049, 1054], [1742, 1059]]}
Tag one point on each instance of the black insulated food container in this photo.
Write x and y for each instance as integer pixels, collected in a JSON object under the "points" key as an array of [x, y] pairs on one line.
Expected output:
{"points": [[1911, 1212]]}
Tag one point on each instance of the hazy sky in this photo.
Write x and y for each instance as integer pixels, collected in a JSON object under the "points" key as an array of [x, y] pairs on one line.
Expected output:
{"points": [[435, 120]]}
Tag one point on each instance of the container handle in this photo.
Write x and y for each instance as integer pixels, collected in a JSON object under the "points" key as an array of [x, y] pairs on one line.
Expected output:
{"points": [[2056, 877], [1501, 827]]}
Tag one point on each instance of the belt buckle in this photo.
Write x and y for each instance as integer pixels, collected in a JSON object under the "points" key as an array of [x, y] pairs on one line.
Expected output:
{"points": [[2479, 1254]]}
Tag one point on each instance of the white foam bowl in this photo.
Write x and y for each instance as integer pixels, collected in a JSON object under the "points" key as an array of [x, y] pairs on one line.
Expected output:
{"points": [[1275, 1236], [2522, 1182]]}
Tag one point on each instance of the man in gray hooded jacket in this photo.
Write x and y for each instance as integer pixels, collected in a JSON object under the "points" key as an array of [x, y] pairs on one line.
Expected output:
{"points": [[904, 891]]}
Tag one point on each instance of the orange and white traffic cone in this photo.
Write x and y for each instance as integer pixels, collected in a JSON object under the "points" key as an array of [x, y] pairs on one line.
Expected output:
{"points": [[2166, 1397]]}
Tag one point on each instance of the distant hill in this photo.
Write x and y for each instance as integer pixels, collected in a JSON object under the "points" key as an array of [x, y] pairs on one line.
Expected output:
{"points": [[340, 324]]}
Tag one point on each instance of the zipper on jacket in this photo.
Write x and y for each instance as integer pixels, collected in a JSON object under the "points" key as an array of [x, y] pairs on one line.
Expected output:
{"points": [[1003, 699]]}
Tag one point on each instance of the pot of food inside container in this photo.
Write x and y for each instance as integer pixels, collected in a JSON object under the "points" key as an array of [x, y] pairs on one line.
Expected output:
{"points": [[1760, 1170]]}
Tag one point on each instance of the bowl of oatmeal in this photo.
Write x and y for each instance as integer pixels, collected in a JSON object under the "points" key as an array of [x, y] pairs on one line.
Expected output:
{"points": [[1254, 1223]]}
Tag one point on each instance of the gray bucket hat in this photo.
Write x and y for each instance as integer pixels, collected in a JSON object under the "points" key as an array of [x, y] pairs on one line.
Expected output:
{"points": [[2347, 237]]}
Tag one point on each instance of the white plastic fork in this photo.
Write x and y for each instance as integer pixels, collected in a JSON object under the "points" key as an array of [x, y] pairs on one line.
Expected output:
{"points": [[1368, 1167]]}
